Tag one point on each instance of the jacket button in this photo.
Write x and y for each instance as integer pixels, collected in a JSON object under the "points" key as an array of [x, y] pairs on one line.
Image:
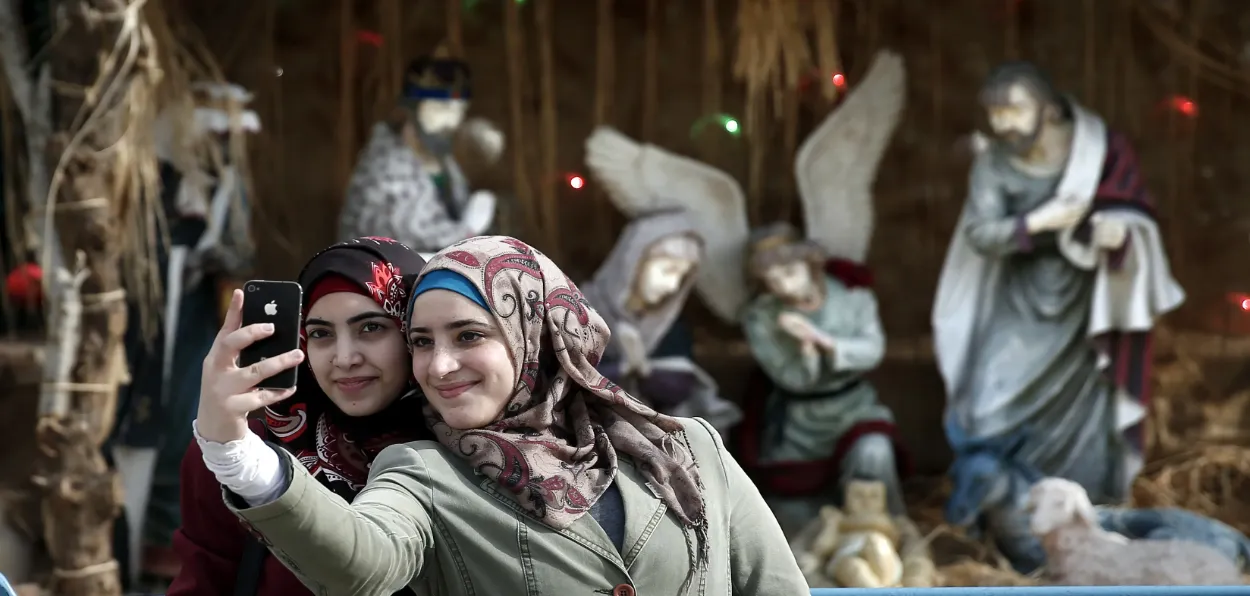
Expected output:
{"points": [[623, 590]]}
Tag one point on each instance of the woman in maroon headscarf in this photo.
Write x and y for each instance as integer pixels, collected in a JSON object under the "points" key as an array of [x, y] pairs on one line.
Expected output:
{"points": [[363, 400]]}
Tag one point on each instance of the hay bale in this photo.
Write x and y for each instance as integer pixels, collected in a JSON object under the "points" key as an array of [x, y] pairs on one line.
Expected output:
{"points": [[1212, 480], [975, 574]]}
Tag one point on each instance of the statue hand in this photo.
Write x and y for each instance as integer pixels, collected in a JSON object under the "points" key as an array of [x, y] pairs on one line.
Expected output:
{"points": [[636, 360], [808, 350], [479, 212], [1109, 234], [794, 324], [1056, 214], [488, 138]]}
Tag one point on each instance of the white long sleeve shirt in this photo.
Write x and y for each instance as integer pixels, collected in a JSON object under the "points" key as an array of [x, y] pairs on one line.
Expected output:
{"points": [[248, 467]]}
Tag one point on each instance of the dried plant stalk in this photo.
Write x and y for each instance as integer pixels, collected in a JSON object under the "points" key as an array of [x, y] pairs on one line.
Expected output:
{"points": [[550, 139], [455, 33], [712, 65], [605, 73], [348, 56], [651, 71], [825, 21], [514, 40]]}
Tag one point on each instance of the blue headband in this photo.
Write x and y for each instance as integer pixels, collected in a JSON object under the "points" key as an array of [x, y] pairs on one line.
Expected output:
{"points": [[446, 279]]}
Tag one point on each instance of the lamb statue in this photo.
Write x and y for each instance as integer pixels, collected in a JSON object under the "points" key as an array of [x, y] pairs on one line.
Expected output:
{"points": [[1080, 553]]}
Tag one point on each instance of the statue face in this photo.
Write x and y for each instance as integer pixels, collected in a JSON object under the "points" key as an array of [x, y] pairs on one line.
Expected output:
{"points": [[661, 277], [441, 116], [1018, 121], [789, 281], [864, 496]]}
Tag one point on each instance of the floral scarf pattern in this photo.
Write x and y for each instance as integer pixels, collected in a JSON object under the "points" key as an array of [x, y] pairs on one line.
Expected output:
{"points": [[556, 445]]}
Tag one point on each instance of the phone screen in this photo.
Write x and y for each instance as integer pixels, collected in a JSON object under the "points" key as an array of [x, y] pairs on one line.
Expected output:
{"points": [[279, 303]]}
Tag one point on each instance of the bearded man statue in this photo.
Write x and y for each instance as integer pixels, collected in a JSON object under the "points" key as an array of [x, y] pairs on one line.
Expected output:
{"points": [[1051, 287]]}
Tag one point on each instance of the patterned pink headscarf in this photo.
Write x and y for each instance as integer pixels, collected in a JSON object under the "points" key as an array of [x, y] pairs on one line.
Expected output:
{"points": [[555, 445]]}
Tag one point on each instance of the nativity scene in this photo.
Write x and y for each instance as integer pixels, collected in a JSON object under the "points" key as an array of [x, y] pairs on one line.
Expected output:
{"points": [[952, 308]]}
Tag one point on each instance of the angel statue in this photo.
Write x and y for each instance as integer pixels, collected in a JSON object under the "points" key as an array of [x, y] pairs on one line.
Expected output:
{"points": [[407, 184], [641, 288], [1052, 284], [813, 326]]}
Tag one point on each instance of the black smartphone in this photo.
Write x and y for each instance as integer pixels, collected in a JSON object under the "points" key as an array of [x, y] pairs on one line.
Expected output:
{"points": [[280, 303]]}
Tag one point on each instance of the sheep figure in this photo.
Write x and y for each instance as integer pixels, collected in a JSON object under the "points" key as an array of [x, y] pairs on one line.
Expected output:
{"points": [[1080, 553]]}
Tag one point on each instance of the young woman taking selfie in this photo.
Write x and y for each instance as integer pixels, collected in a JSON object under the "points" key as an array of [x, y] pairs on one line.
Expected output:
{"points": [[356, 397], [544, 476]]}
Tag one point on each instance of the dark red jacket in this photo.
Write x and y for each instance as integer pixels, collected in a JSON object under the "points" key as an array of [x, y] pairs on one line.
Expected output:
{"points": [[211, 539]]}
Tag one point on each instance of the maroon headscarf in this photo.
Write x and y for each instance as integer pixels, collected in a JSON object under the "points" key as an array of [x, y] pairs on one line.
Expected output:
{"points": [[336, 448]]}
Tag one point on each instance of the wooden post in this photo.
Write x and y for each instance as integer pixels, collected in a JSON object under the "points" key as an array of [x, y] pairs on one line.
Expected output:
{"points": [[82, 496]]}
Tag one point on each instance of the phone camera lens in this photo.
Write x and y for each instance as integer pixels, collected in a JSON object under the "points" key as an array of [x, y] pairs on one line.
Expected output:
{"points": [[251, 288]]}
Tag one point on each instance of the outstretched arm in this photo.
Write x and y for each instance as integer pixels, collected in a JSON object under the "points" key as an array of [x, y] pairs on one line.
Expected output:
{"points": [[375, 545]]}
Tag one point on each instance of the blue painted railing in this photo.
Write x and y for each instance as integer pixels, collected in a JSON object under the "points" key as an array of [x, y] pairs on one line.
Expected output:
{"points": [[1042, 591]]}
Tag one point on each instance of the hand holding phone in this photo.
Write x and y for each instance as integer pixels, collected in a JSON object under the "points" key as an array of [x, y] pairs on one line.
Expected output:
{"points": [[233, 385], [276, 303]]}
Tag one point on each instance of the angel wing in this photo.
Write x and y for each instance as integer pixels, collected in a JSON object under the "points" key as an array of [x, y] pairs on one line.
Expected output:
{"points": [[641, 178], [837, 164]]}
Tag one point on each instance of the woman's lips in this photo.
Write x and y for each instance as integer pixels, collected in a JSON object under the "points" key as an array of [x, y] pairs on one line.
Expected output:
{"points": [[354, 384], [454, 390]]}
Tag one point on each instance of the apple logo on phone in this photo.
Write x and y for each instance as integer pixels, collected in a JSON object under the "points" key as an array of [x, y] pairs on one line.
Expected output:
{"points": [[271, 308]]}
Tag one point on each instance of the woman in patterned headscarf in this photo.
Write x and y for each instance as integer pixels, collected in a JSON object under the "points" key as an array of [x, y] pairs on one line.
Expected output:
{"points": [[545, 476], [363, 399]]}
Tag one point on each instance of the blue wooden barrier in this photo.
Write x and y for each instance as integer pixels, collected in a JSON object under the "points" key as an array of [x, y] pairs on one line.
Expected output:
{"points": [[1042, 591]]}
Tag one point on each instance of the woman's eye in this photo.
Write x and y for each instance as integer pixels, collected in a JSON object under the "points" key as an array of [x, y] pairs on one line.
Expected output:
{"points": [[370, 327], [317, 333], [421, 342], [467, 336]]}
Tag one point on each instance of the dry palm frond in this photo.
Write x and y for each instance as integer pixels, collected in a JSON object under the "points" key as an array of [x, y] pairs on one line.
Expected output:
{"points": [[150, 68], [773, 53]]}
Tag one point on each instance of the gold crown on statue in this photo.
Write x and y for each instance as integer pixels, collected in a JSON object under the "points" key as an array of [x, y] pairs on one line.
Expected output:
{"points": [[437, 76]]}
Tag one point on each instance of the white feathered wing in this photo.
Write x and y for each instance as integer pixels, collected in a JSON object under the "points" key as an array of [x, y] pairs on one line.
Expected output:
{"points": [[837, 164], [641, 178]]}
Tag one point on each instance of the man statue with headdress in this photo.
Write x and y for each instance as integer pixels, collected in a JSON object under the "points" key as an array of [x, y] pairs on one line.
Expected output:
{"points": [[808, 311], [407, 184], [1052, 285]]}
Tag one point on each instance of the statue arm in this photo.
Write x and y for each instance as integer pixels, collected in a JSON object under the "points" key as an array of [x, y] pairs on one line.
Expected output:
{"points": [[862, 350], [990, 230], [776, 352]]}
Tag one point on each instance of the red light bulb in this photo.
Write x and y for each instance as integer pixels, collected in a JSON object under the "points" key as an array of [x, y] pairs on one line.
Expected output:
{"points": [[839, 80], [576, 182]]}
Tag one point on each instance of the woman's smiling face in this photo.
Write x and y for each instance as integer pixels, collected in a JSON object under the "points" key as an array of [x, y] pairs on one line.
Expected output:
{"points": [[356, 353], [460, 358]]}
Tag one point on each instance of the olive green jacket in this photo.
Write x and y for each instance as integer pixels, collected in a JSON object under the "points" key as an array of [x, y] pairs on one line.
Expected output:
{"points": [[427, 520]]}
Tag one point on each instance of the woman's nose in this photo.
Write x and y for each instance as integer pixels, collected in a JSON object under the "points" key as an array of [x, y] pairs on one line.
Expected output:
{"points": [[442, 363], [346, 354]]}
